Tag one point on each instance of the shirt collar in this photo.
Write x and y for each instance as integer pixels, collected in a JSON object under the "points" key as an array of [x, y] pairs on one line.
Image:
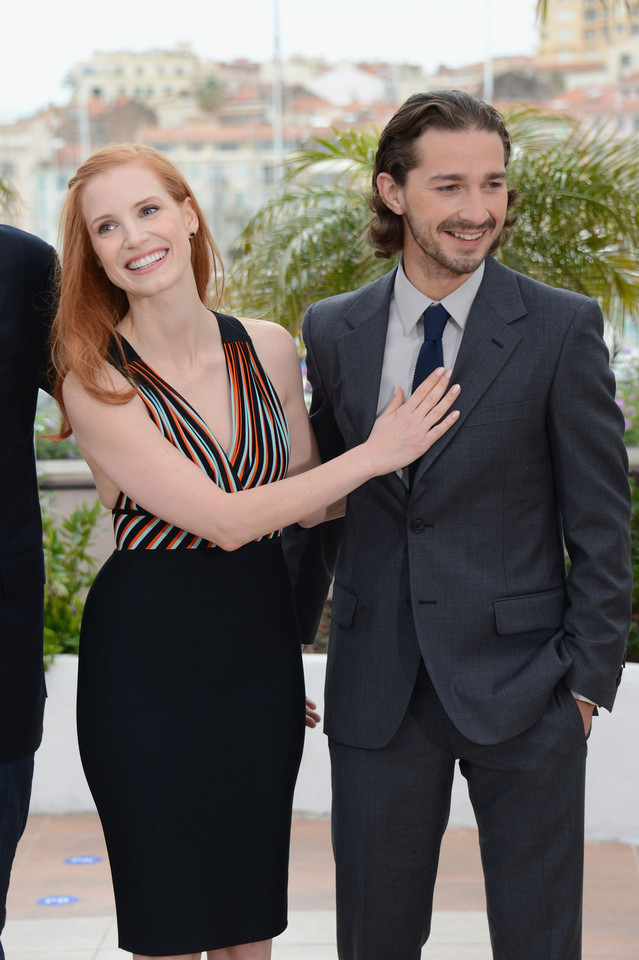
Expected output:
{"points": [[411, 302]]}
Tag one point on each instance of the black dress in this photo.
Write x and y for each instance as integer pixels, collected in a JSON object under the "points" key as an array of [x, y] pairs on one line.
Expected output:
{"points": [[190, 693]]}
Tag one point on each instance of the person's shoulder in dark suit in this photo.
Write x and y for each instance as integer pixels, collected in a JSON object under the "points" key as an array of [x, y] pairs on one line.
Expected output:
{"points": [[532, 290], [28, 279]]}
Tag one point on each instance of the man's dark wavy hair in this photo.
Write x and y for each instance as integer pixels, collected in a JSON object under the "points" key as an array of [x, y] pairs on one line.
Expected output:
{"points": [[450, 110]]}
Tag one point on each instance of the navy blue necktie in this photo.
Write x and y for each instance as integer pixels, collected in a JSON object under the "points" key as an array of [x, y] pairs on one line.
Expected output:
{"points": [[431, 354]]}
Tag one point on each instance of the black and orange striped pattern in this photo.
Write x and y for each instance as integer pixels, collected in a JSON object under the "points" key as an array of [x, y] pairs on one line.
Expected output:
{"points": [[259, 451]]}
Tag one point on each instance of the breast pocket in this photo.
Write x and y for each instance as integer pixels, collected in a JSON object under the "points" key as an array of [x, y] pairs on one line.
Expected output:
{"points": [[484, 415]]}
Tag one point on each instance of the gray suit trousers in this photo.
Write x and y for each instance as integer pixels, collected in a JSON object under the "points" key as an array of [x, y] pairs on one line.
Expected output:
{"points": [[391, 807]]}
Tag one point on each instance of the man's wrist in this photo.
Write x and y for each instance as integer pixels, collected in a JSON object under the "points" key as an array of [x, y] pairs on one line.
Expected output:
{"points": [[580, 696]]}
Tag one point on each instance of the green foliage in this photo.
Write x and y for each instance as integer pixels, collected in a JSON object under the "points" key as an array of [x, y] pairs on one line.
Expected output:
{"points": [[70, 571], [48, 422], [628, 398], [210, 93], [8, 197], [633, 638], [578, 210], [309, 241], [578, 224]]}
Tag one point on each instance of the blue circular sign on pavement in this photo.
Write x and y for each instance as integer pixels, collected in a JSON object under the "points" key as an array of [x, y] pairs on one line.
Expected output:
{"points": [[83, 860], [57, 901]]}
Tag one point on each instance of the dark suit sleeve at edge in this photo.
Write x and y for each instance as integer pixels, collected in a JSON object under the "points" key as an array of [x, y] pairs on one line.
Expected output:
{"points": [[590, 469], [45, 306], [311, 554]]}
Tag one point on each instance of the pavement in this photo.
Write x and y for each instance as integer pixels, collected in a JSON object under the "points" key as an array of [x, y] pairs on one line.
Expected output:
{"points": [[61, 905]]}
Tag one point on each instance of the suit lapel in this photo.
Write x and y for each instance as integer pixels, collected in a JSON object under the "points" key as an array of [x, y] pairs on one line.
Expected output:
{"points": [[361, 356], [487, 345], [361, 353]]}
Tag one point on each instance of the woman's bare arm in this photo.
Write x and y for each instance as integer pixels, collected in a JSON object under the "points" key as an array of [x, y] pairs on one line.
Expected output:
{"points": [[122, 443]]}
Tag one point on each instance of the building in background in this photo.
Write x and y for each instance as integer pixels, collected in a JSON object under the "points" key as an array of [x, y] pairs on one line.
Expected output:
{"points": [[217, 122], [582, 31], [227, 130]]}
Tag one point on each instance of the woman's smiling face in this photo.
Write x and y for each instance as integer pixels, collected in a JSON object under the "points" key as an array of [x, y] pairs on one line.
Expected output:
{"points": [[139, 233]]}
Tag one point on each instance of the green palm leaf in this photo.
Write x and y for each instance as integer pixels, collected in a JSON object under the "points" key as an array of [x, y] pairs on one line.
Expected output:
{"points": [[8, 197], [578, 221]]}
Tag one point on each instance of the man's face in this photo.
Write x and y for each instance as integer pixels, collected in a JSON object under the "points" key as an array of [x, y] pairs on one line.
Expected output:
{"points": [[453, 204]]}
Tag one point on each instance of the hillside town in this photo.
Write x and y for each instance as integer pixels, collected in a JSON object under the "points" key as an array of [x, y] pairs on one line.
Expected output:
{"points": [[230, 126]]}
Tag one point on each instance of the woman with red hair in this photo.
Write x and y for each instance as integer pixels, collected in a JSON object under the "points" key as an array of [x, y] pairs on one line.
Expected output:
{"points": [[190, 693]]}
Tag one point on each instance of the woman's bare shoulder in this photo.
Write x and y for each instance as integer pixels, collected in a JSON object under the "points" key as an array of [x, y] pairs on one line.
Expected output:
{"points": [[107, 378], [277, 351], [266, 330]]}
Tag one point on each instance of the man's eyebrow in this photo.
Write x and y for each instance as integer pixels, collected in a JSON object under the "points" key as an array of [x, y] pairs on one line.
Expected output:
{"points": [[459, 178]]}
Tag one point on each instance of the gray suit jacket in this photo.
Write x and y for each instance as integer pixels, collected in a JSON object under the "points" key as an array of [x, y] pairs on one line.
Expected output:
{"points": [[467, 569]]}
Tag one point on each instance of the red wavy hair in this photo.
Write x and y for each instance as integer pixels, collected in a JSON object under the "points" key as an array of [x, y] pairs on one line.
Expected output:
{"points": [[90, 307]]}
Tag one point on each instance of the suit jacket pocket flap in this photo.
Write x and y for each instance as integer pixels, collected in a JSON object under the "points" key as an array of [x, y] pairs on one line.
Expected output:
{"points": [[22, 573], [537, 611], [343, 606], [501, 413]]}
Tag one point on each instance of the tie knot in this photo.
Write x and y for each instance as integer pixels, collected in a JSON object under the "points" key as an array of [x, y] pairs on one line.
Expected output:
{"points": [[435, 318]]}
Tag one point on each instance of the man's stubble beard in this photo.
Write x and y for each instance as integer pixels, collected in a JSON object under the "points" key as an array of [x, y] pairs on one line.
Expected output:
{"points": [[435, 255]]}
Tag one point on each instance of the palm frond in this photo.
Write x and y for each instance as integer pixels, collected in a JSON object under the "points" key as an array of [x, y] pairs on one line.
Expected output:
{"points": [[8, 198], [578, 221]]}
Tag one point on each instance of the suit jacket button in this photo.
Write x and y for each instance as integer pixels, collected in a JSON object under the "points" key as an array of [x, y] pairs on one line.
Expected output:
{"points": [[417, 526]]}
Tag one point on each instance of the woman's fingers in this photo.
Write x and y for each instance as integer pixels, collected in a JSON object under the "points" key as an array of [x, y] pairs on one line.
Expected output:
{"points": [[437, 430], [431, 390], [396, 401], [439, 408]]}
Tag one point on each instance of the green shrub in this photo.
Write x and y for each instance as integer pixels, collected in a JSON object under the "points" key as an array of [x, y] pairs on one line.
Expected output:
{"points": [[48, 422], [70, 571], [627, 372]]}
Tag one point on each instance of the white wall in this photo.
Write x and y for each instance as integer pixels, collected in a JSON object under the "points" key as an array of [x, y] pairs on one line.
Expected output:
{"points": [[612, 799]]}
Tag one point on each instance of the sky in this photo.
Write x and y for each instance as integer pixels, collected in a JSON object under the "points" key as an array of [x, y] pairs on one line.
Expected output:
{"points": [[43, 39]]}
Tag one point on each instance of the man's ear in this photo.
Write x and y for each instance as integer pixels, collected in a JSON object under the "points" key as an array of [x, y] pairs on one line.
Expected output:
{"points": [[391, 193]]}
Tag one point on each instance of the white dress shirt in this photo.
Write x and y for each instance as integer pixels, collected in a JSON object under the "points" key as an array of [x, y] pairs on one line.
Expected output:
{"points": [[405, 333]]}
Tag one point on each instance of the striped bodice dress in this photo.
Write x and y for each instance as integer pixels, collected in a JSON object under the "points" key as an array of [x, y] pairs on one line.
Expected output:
{"points": [[190, 691]]}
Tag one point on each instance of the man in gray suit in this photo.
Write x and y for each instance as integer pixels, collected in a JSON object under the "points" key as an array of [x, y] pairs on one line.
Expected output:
{"points": [[457, 634]]}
